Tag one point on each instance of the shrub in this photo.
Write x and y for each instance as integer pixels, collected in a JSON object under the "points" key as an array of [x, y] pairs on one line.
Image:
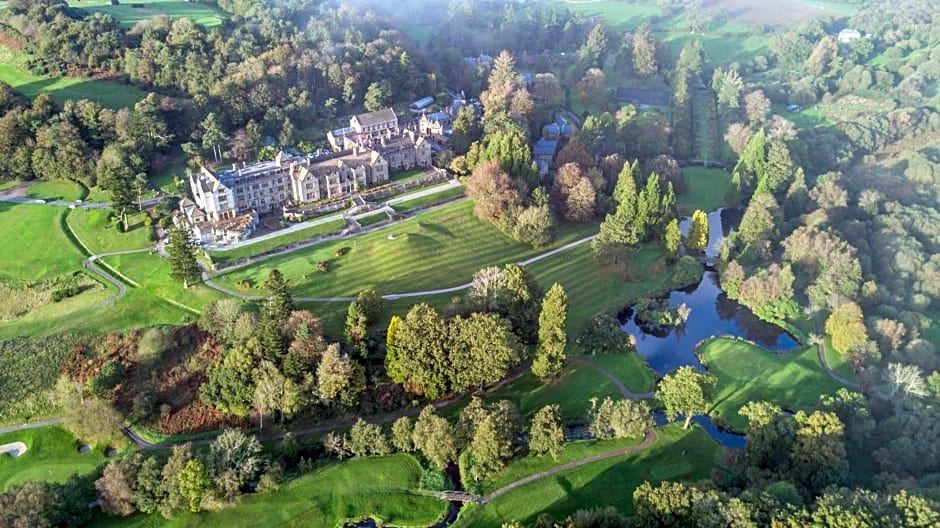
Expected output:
{"points": [[604, 335], [323, 266], [65, 293], [108, 377], [687, 271], [433, 479]]}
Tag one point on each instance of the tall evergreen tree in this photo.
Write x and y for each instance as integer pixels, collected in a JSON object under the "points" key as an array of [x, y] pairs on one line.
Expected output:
{"points": [[698, 232], [213, 136], [182, 256], [547, 434], [672, 238], [356, 329], [550, 355]]}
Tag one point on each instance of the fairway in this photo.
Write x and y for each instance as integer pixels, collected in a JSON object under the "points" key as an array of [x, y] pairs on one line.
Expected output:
{"points": [[604, 483], [437, 249], [52, 456], [748, 373], [130, 12], [378, 487], [111, 94]]}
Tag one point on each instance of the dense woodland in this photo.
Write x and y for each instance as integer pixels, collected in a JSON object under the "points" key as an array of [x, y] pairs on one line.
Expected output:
{"points": [[839, 231]]}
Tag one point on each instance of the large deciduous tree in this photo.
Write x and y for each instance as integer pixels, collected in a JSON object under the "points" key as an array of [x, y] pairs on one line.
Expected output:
{"points": [[685, 392]]}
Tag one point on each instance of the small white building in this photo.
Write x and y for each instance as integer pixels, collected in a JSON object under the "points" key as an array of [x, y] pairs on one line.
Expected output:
{"points": [[848, 35]]}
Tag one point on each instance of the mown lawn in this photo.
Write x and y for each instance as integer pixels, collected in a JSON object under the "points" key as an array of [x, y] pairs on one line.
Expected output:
{"points": [[379, 487], [132, 12], [111, 94], [33, 243], [52, 456], [57, 190], [706, 189], [222, 257], [748, 373], [430, 199], [96, 231], [631, 369], [838, 362], [441, 248], [676, 455]]}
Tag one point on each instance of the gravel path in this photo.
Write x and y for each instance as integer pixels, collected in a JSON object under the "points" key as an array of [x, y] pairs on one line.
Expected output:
{"points": [[30, 425]]}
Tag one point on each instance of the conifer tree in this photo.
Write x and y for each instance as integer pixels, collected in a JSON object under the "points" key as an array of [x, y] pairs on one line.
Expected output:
{"points": [[671, 239], [547, 434], [356, 329], [182, 256], [550, 355], [698, 232]]}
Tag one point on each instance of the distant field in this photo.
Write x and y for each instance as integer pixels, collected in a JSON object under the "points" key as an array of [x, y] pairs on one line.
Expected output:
{"points": [[33, 243], [748, 373], [131, 12], [110, 94], [379, 487]]}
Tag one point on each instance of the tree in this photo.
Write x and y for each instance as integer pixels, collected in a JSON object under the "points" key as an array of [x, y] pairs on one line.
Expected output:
{"points": [[620, 230], [148, 488], [339, 378], [274, 392], [356, 330], [116, 487], [419, 358], [482, 349], [193, 483], [403, 434], [904, 382], [434, 437], [757, 107], [846, 326], [490, 447], [229, 385], [378, 95], [593, 50], [182, 256], [644, 52], [698, 232], [547, 434], [535, 226], [780, 169], [550, 355], [671, 238], [466, 130], [371, 303], [818, 457], [581, 201], [93, 420], [494, 193], [727, 85], [212, 136], [685, 392], [367, 439], [234, 460], [116, 172], [619, 419]]}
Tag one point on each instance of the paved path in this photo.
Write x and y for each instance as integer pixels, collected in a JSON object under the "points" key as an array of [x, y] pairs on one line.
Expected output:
{"points": [[647, 442], [25, 200], [30, 425], [627, 393]]}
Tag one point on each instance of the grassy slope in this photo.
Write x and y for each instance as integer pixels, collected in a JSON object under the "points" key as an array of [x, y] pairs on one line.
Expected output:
{"points": [[430, 199], [677, 454], [200, 13], [38, 228], [748, 372], [379, 487], [152, 275], [110, 94], [274, 243], [57, 190], [94, 229], [52, 456], [442, 248]]}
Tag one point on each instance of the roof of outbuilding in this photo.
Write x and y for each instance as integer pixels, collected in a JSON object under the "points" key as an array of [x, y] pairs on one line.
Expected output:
{"points": [[374, 118]]}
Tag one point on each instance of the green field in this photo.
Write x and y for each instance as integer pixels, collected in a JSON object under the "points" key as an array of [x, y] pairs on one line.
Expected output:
{"points": [[706, 189], [431, 199], [372, 219], [572, 391], [67, 190], [128, 13], [52, 456], [110, 94], [151, 274], [379, 487], [677, 454], [33, 243], [748, 373], [838, 362], [94, 228], [441, 248], [223, 257]]}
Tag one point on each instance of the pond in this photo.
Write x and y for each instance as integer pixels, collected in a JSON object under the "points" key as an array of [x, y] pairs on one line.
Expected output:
{"points": [[712, 314]]}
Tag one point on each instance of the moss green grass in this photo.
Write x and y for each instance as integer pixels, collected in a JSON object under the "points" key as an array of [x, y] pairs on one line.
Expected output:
{"points": [[706, 189], [57, 190], [747, 372], [52, 456], [94, 228], [33, 243], [150, 273], [380, 487]]}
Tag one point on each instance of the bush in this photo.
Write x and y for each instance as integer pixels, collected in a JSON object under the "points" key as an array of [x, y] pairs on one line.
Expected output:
{"points": [[108, 377], [687, 271], [433, 479], [604, 336], [65, 293], [323, 266]]}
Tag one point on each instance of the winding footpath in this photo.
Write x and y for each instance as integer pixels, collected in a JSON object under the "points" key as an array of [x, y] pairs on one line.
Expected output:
{"points": [[626, 392], [821, 350]]}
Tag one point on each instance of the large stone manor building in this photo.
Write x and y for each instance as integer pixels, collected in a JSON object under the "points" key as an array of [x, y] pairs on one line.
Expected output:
{"points": [[226, 204]]}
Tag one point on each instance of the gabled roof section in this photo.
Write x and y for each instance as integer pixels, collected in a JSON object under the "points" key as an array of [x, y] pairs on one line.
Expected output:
{"points": [[374, 118]]}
